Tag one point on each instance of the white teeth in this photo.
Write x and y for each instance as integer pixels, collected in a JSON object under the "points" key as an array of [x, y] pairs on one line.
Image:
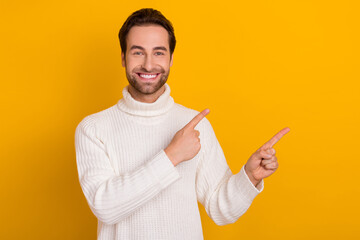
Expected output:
{"points": [[147, 76]]}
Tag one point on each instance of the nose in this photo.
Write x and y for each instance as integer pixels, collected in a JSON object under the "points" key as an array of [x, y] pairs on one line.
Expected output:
{"points": [[148, 63]]}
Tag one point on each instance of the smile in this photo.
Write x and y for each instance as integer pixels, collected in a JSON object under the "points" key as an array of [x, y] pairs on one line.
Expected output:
{"points": [[148, 76]]}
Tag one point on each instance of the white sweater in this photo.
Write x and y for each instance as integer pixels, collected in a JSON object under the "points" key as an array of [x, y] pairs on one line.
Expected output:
{"points": [[133, 188]]}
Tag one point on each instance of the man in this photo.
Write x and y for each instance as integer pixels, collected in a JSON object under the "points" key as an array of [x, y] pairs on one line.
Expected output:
{"points": [[145, 162]]}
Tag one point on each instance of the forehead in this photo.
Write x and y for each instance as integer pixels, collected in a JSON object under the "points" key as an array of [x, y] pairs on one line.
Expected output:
{"points": [[148, 36]]}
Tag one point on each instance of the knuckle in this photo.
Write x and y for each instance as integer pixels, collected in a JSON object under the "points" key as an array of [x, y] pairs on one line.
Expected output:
{"points": [[271, 165], [273, 151], [264, 154]]}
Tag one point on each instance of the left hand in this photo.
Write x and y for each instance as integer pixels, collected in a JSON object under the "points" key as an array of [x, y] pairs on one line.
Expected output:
{"points": [[263, 162]]}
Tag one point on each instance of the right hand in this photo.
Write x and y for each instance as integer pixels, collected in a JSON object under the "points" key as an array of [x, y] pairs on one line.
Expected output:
{"points": [[186, 142]]}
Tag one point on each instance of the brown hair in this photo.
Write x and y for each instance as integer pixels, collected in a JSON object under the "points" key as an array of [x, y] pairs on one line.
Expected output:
{"points": [[146, 16]]}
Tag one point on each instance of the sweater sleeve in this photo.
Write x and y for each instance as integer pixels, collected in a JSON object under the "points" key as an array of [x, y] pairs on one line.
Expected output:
{"points": [[225, 196], [113, 197]]}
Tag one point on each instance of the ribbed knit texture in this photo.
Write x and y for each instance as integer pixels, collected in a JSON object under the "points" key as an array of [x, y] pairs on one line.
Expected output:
{"points": [[133, 188]]}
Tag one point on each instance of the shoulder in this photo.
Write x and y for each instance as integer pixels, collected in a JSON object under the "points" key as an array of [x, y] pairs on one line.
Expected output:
{"points": [[185, 110], [97, 119]]}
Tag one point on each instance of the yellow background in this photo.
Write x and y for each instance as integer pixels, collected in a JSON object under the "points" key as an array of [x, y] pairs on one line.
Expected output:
{"points": [[258, 65]]}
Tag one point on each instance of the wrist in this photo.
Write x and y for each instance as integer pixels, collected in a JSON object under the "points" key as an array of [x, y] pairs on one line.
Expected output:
{"points": [[169, 154], [252, 179]]}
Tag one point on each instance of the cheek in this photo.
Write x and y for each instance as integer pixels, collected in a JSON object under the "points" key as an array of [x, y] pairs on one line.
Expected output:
{"points": [[165, 63], [131, 64]]}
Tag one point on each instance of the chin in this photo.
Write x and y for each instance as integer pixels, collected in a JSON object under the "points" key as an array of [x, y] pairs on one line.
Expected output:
{"points": [[147, 88]]}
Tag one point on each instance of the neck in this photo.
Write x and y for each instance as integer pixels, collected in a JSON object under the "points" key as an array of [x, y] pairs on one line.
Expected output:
{"points": [[156, 106], [145, 98]]}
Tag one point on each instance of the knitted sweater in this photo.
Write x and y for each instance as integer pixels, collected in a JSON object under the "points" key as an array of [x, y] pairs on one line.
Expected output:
{"points": [[133, 188]]}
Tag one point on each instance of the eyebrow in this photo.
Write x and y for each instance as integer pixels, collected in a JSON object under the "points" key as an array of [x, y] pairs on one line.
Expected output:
{"points": [[155, 48], [160, 48]]}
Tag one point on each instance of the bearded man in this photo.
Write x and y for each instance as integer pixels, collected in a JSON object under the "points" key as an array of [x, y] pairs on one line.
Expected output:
{"points": [[145, 162]]}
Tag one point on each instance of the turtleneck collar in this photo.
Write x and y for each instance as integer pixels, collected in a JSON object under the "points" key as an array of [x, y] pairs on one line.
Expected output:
{"points": [[129, 105]]}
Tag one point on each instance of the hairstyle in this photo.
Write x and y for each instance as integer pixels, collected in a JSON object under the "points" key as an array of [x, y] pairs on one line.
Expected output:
{"points": [[146, 16]]}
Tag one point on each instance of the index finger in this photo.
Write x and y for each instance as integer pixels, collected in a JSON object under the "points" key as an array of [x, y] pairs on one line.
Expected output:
{"points": [[276, 138], [197, 119]]}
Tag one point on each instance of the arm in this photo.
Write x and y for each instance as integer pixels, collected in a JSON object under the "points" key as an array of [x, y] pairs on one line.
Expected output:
{"points": [[112, 197], [225, 196]]}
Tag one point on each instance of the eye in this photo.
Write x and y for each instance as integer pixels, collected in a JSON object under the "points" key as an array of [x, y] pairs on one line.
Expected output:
{"points": [[159, 53], [137, 53]]}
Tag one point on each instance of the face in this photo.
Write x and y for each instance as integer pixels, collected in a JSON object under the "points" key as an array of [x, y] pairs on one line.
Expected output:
{"points": [[147, 61]]}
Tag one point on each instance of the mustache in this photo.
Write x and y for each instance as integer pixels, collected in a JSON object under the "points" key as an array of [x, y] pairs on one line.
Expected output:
{"points": [[143, 70]]}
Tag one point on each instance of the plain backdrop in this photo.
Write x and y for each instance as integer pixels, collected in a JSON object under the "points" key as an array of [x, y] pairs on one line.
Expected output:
{"points": [[259, 66]]}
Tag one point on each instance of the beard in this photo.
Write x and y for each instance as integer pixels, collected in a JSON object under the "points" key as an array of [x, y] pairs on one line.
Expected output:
{"points": [[147, 88]]}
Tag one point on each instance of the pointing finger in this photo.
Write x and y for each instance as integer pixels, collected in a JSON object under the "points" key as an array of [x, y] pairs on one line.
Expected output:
{"points": [[276, 138], [197, 119]]}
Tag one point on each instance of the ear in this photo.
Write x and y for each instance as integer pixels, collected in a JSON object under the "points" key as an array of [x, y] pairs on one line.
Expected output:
{"points": [[123, 59], [171, 60]]}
